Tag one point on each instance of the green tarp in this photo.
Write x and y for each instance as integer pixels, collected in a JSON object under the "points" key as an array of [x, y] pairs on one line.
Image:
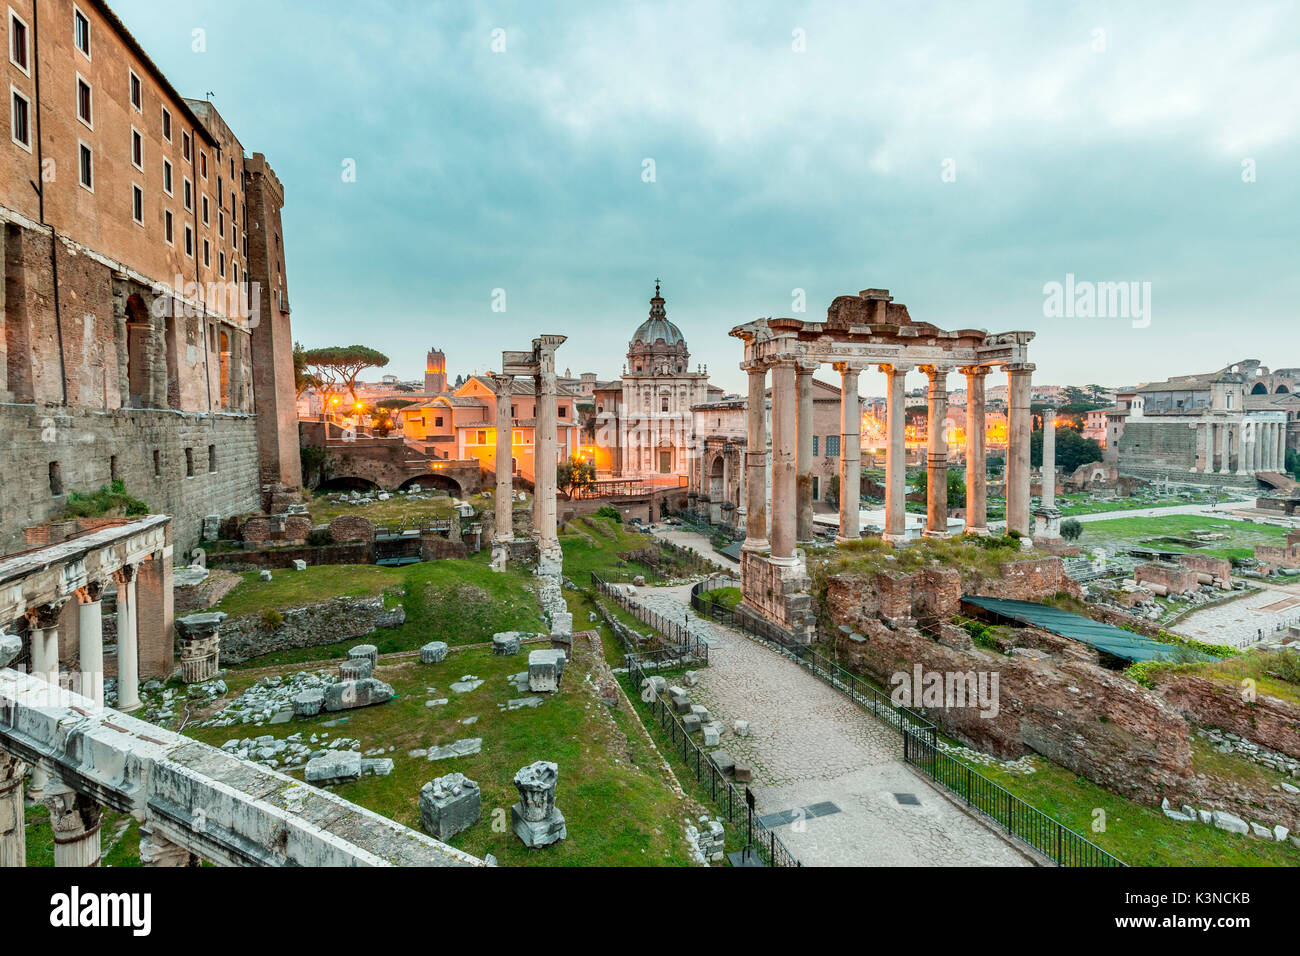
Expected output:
{"points": [[1104, 637]]}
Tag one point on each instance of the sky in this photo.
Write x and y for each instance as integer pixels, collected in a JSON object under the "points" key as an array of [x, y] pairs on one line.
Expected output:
{"points": [[555, 159]]}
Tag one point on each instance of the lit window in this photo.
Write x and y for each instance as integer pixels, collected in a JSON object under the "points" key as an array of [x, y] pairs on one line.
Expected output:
{"points": [[203, 164]]}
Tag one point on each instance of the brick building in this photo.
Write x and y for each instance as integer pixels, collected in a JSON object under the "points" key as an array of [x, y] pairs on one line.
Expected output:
{"points": [[146, 327]]}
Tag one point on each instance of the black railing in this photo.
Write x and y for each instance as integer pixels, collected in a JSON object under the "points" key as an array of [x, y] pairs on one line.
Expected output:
{"points": [[920, 743], [726, 796], [689, 648]]}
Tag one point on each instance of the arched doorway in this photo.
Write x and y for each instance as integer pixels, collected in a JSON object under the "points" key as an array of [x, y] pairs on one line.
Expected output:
{"points": [[1259, 389], [433, 481], [347, 483], [717, 489]]}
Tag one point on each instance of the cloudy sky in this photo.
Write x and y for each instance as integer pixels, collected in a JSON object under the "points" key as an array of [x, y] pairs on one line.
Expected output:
{"points": [[961, 155]]}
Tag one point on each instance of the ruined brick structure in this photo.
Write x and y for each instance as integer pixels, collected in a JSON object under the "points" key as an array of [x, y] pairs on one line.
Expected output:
{"points": [[131, 346]]}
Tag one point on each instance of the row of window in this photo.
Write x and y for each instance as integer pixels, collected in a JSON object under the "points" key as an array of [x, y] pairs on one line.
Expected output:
{"points": [[56, 468], [832, 446]]}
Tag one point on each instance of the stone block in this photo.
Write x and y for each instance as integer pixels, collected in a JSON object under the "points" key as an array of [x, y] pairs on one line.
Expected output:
{"points": [[433, 652], [368, 651], [336, 766], [355, 668], [506, 643], [449, 805], [536, 819], [1230, 822], [264, 575], [741, 728], [743, 773], [656, 682], [299, 564], [712, 734], [681, 705], [725, 763], [690, 678], [308, 703], [691, 723], [347, 695], [545, 669]]}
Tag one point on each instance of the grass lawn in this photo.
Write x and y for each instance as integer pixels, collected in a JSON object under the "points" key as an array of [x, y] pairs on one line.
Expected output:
{"points": [[1269, 670], [119, 838], [594, 544], [1138, 834], [1116, 534], [457, 601], [618, 809], [1082, 503], [392, 511]]}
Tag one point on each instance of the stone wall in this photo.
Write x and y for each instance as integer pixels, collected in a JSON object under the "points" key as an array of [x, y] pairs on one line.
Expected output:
{"points": [[1172, 576], [1204, 564], [91, 447], [340, 619], [778, 595], [351, 528], [356, 553], [1153, 449], [1268, 721]]}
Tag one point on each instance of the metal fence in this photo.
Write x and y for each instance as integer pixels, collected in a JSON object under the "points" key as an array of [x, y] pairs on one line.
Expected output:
{"points": [[920, 744], [726, 796], [689, 648]]}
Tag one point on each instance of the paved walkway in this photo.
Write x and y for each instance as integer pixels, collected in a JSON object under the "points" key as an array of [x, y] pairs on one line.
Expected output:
{"points": [[700, 544], [810, 744], [1240, 623]]}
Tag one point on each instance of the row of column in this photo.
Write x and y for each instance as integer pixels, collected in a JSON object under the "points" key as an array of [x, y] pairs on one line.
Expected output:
{"points": [[1256, 446], [790, 496]]}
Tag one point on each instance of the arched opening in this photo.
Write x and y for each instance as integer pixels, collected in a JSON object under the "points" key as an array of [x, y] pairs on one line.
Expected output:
{"points": [[224, 393], [437, 482], [1281, 390], [137, 350], [347, 483], [1259, 389], [717, 493]]}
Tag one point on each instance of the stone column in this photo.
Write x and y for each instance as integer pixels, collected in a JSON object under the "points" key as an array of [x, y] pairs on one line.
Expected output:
{"points": [[1019, 379], [200, 642], [75, 819], [1225, 449], [505, 493], [804, 455], [43, 637], [756, 459], [128, 643], [1243, 451], [936, 504], [1199, 444], [784, 455], [13, 832], [551, 558], [1049, 459], [976, 462], [895, 455], [1279, 446], [1265, 437], [90, 627], [157, 850], [850, 452]]}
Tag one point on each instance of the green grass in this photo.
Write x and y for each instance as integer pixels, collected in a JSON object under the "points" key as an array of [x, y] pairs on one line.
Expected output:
{"points": [[288, 588], [618, 810], [1116, 534], [725, 597], [594, 544], [1082, 503], [1276, 673], [392, 511], [119, 837], [1142, 835]]}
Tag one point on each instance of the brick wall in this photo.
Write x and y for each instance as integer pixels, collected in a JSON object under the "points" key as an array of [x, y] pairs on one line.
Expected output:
{"points": [[1175, 577]]}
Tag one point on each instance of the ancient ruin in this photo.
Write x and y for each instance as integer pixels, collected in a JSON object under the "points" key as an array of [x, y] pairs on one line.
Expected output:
{"points": [[861, 332]]}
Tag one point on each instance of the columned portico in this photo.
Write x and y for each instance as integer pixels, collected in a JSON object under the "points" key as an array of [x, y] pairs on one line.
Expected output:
{"points": [[804, 452], [504, 496], [896, 456], [976, 463], [128, 642], [850, 452], [1018, 428], [756, 459], [936, 505], [784, 460]]}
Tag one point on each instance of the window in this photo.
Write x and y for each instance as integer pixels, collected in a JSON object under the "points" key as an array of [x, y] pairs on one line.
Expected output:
{"points": [[185, 148], [816, 489], [136, 92], [207, 253], [168, 226], [832, 446], [437, 421], [18, 48], [205, 210], [81, 31], [212, 458], [189, 241], [137, 149], [86, 164], [663, 403], [517, 437], [167, 124], [20, 122], [137, 204], [56, 479], [814, 444], [189, 462], [189, 195], [221, 224], [221, 189], [157, 463], [561, 412], [167, 176], [113, 473], [481, 437], [203, 164], [221, 264], [85, 108]]}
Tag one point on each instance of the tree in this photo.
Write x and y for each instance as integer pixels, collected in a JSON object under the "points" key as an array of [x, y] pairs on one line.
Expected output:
{"points": [[1071, 528], [1072, 449], [302, 378], [1293, 463], [343, 364], [832, 494], [574, 475]]}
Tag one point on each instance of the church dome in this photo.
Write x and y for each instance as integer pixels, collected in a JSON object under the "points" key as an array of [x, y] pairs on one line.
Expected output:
{"points": [[657, 327]]}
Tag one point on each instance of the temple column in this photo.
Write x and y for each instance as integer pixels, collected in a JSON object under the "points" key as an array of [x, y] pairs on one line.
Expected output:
{"points": [[1279, 447], [1199, 444], [504, 496], [43, 637], [936, 498], [1048, 469], [1243, 450], [784, 455], [13, 830], [75, 819], [1225, 449], [90, 628], [128, 643], [976, 463], [896, 454], [548, 542], [1019, 379], [756, 459], [1265, 454], [850, 452], [804, 455], [156, 850], [1256, 447]]}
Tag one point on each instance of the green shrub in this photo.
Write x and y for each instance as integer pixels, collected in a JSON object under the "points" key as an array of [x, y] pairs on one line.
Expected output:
{"points": [[608, 511], [272, 619], [110, 497]]}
